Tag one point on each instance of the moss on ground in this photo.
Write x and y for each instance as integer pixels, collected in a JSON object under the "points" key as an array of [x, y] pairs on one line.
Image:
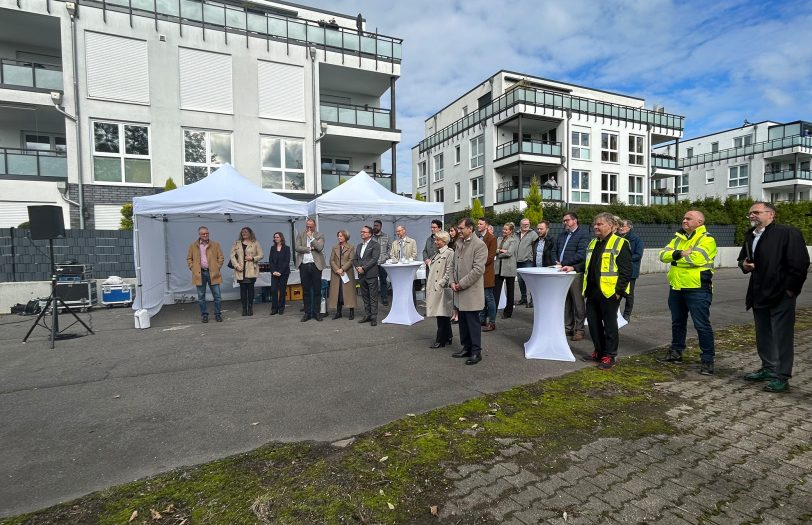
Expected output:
{"points": [[394, 473]]}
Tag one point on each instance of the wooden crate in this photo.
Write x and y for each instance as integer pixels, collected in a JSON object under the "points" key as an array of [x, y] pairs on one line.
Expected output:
{"points": [[294, 292]]}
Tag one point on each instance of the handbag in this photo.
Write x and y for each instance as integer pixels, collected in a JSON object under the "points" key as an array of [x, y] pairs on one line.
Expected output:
{"points": [[230, 264]]}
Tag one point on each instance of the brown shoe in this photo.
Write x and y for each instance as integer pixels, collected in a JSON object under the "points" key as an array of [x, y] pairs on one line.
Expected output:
{"points": [[578, 336], [490, 327]]}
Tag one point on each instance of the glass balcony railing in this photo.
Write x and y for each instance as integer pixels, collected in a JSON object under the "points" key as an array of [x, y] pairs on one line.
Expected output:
{"points": [[510, 193], [331, 179], [554, 100], [778, 176], [251, 19], [531, 147], [30, 75], [750, 149], [355, 115], [663, 161], [33, 163], [663, 198]]}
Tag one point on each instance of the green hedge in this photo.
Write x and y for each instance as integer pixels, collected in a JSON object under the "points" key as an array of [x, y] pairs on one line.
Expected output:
{"points": [[716, 211]]}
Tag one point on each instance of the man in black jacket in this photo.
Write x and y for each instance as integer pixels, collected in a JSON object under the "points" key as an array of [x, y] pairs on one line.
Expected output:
{"points": [[543, 247], [571, 252], [776, 258]]}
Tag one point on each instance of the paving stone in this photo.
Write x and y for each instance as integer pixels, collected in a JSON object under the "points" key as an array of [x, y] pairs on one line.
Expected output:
{"points": [[495, 490], [524, 477], [528, 495]]}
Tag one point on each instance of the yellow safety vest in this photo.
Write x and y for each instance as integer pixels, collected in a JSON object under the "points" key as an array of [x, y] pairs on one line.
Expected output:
{"points": [[686, 272], [609, 270]]}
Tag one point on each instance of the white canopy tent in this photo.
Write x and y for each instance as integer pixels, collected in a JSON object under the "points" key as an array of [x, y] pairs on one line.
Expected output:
{"points": [[361, 200], [164, 226]]}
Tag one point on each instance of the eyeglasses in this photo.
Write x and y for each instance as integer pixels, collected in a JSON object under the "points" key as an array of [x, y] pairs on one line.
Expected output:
{"points": [[749, 213]]}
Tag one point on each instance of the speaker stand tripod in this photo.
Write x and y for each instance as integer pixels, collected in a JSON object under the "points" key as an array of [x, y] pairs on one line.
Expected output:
{"points": [[53, 299]]}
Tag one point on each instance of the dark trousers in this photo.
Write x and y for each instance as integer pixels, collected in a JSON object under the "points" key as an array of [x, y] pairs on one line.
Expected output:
{"points": [[369, 295], [444, 333], [574, 308], [775, 334], [510, 283], [601, 314], [470, 332], [247, 292], [627, 309], [697, 303], [279, 286], [522, 286], [311, 288], [382, 286]]}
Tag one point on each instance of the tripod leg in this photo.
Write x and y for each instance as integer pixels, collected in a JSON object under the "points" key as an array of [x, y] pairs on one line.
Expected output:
{"points": [[54, 321], [74, 315], [36, 321]]}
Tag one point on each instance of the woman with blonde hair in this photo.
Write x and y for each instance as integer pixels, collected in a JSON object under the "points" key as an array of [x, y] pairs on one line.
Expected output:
{"points": [[342, 293], [439, 296], [245, 256]]}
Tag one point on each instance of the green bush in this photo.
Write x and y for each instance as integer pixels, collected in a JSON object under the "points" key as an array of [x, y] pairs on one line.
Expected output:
{"points": [[126, 217]]}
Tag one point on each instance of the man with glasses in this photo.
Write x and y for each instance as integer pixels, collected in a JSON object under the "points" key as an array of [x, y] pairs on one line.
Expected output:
{"points": [[571, 253], [524, 255], [367, 255], [776, 258], [691, 254], [205, 258]]}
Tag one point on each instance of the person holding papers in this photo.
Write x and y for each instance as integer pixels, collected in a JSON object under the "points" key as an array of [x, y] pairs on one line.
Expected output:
{"points": [[342, 276]]}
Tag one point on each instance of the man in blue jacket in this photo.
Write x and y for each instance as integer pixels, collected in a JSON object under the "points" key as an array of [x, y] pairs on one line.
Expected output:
{"points": [[571, 253], [636, 244]]}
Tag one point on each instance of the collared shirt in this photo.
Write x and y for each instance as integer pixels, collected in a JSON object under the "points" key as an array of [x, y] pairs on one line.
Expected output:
{"points": [[308, 257], [756, 236], [540, 252], [204, 261], [569, 235], [363, 248]]}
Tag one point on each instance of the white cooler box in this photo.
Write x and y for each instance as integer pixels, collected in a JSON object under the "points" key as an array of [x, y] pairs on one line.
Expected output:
{"points": [[113, 294]]}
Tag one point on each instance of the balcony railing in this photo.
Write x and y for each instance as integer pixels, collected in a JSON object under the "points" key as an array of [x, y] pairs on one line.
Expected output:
{"points": [[356, 115], [751, 149], [778, 176], [554, 100], [253, 20], [663, 161], [30, 75], [331, 179], [33, 163], [531, 147], [660, 197], [510, 193]]}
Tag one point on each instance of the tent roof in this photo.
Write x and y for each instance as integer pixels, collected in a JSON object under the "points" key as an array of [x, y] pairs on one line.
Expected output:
{"points": [[361, 195], [224, 191]]}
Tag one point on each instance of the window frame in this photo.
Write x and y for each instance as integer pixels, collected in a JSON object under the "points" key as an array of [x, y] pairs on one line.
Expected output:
{"points": [[422, 173], [122, 154], [577, 193], [439, 195], [682, 184], [637, 144], [710, 179], [636, 191], [439, 167], [742, 181], [210, 166], [608, 181], [577, 147], [608, 153], [480, 186], [477, 152], [282, 161], [457, 191], [457, 155]]}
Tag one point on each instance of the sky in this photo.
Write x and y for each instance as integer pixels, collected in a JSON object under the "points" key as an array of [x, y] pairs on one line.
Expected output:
{"points": [[716, 62]]}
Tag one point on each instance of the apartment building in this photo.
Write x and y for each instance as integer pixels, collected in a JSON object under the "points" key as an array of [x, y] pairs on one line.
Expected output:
{"points": [[764, 161], [103, 101], [583, 145]]}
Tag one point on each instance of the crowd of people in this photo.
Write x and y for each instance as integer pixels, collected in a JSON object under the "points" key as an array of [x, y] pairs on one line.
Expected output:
{"points": [[467, 267]]}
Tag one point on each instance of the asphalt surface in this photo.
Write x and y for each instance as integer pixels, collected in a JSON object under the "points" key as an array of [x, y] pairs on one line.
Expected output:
{"points": [[122, 404]]}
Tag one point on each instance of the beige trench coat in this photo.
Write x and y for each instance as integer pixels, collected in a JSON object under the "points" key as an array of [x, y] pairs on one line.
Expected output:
{"points": [[470, 257], [343, 261], [250, 268], [439, 296]]}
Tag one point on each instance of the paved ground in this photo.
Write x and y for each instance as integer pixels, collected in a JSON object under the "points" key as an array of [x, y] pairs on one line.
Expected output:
{"points": [[123, 404]]}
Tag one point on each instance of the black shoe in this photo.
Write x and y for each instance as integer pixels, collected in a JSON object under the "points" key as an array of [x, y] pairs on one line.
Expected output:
{"points": [[281, 310], [305, 317], [437, 345], [707, 369], [337, 315], [244, 311], [352, 314], [521, 301], [373, 322], [251, 309], [218, 318], [607, 362], [274, 312], [670, 356], [317, 317], [462, 353], [365, 319], [474, 359], [204, 318]]}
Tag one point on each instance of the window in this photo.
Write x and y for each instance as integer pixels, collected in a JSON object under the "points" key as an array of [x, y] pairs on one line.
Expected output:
{"points": [[422, 179], [744, 140], [737, 176], [283, 163], [682, 184], [457, 155], [438, 168], [44, 142], [580, 186], [334, 171], [636, 150], [608, 187], [203, 152], [477, 152], [457, 192], [580, 145], [439, 195], [636, 190], [121, 153], [709, 177], [689, 152], [714, 147], [609, 147], [464, 111], [477, 188]]}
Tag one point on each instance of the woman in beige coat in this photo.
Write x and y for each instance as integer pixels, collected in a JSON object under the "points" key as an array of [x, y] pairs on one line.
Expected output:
{"points": [[245, 256], [439, 297], [341, 293]]}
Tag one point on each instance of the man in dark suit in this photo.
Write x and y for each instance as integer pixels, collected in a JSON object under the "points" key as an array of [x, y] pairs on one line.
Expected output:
{"points": [[367, 253], [776, 258], [571, 252]]}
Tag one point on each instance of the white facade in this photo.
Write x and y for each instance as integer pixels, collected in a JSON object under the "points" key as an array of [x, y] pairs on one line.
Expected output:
{"points": [[583, 145], [293, 97], [766, 161]]}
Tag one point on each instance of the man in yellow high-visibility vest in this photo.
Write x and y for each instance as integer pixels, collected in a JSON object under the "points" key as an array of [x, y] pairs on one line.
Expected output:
{"points": [[691, 255]]}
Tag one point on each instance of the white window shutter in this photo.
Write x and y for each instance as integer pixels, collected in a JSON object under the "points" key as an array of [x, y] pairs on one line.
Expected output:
{"points": [[117, 68], [281, 91], [107, 216], [205, 81]]}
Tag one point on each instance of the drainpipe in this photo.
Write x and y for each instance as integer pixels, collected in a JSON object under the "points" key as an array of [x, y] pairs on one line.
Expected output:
{"points": [[72, 12], [316, 118]]}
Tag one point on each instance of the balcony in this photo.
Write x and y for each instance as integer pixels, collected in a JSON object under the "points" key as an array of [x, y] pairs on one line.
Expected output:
{"points": [[662, 197], [804, 145], [659, 160], [33, 163], [353, 115], [785, 175], [509, 192], [41, 77], [331, 179], [529, 147]]}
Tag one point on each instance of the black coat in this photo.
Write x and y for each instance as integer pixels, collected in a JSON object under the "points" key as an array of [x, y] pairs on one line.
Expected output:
{"points": [[781, 261], [550, 253], [279, 261], [369, 262]]}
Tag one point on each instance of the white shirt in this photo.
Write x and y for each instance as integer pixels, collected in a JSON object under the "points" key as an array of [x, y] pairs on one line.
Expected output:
{"points": [[308, 257], [756, 237], [363, 248]]}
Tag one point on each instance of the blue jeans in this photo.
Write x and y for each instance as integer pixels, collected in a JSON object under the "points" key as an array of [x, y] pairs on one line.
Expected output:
{"points": [[697, 303], [201, 294], [489, 312]]}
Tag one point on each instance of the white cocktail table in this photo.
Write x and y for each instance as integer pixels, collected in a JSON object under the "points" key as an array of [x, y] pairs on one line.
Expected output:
{"points": [[402, 277], [549, 288]]}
